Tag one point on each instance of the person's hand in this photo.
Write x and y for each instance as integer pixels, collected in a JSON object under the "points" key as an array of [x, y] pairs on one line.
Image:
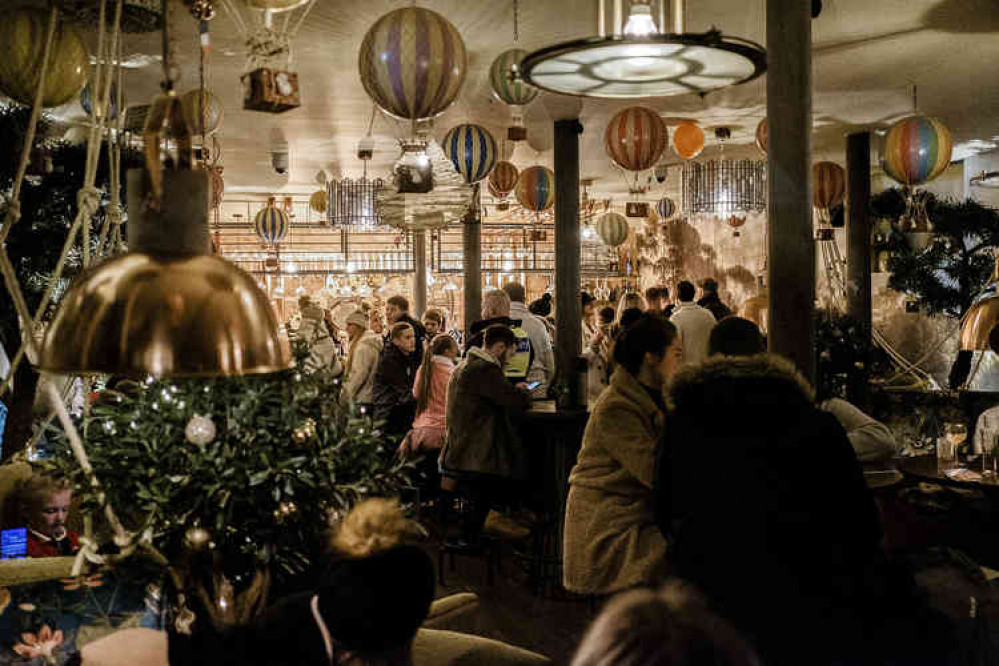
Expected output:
{"points": [[522, 386], [598, 337]]}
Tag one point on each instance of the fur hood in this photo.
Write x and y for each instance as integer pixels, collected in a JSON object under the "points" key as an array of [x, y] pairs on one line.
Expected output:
{"points": [[718, 376]]}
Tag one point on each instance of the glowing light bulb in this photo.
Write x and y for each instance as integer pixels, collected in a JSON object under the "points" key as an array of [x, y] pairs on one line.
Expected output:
{"points": [[640, 23]]}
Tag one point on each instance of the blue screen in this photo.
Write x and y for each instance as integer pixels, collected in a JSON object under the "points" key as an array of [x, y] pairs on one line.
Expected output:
{"points": [[13, 543]]}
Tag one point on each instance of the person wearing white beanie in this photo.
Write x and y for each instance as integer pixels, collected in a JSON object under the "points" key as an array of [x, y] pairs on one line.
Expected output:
{"points": [[362, 361]]}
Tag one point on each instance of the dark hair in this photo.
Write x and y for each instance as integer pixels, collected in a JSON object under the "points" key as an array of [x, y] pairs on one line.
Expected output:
{"points": [[400, 302], [629, 317], [650, 334], [685, 291], [606, 315], [542, 306], [434, 315], [585, 298], [498, 333], [664, 292], [653, 294], [515, 291], [425, 389], [710, 284], [397, 329], [735, 336]]}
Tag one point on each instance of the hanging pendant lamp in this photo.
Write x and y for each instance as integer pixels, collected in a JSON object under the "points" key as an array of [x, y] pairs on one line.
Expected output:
{"points": [[166, 308], [643, 61]]}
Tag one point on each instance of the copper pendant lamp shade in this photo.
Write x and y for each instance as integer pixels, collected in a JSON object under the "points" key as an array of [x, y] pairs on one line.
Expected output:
{"points": [[167, 308], [980, 326]]}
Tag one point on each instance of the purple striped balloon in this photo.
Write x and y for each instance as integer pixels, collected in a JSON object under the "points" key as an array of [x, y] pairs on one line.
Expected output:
{"points": [[413, 63]]}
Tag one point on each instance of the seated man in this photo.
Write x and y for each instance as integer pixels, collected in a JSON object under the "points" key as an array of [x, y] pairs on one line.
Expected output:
{"points": [[483, 451], [41, 504]]}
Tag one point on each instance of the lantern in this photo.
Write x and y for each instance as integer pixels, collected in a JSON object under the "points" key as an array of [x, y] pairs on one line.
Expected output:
{"points": [[536, 189], [504, 77], [271, 224], [688, 140], [612, 229], [635, 138], [472, 150], [917, 150], [504, 177], [318, 201], [828, 185], [22, 42], [87, 100], [763, 135], [203, 111], [665, 208], [413, 63]]}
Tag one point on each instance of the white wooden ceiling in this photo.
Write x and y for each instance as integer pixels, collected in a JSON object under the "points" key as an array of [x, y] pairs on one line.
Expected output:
{"points": [[866, 53]]}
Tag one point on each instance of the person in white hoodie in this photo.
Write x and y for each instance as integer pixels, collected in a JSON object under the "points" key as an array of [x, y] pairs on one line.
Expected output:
{"points": [[543, 367], [694, 323], [362, 361]]}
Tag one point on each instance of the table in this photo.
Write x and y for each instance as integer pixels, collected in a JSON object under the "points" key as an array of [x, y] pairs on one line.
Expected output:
{"points": [[925, 468]]}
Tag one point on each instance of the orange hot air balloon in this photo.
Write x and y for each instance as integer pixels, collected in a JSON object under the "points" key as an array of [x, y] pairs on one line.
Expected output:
{"points": [[828, 185], [688, 140]]}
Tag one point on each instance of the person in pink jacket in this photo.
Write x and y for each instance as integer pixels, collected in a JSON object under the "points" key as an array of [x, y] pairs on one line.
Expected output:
{"points": [[430, 390]]}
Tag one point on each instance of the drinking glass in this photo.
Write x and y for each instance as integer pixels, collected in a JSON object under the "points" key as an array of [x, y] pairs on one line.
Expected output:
{"points": [[990, 448], [954, 436]]}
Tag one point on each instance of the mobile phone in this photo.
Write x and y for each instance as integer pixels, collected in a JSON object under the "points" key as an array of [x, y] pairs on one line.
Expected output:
{"points": [[13, 543], [533, 385]]}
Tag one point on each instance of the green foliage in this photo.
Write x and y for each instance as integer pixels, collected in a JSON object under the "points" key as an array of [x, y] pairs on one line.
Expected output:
{"points": [[263, 496], [953, 268]]}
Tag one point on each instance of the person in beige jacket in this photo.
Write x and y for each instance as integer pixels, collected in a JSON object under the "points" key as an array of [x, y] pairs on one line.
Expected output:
{"points": [[362, 361], [611, 541]]}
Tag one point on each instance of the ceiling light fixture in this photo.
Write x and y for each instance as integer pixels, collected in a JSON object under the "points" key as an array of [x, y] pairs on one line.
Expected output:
{"points": [[638, 61]]}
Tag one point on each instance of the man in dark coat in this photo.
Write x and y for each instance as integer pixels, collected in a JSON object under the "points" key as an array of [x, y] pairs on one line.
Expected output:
{"points": [[710, 300], [483, 451], [766, 509], [397, 312]]}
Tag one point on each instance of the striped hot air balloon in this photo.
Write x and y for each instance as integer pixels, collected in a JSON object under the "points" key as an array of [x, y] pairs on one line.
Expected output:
{"points": [[536, 188], [828, 185], [504, 76], [612, 229], [917, 150], [472, 150], [413, 63], [271, 224], [504, 177], [763, 135], [635, 138], [87, 100], [202, 107], [666, 208], [688, 140], [22, 42]]}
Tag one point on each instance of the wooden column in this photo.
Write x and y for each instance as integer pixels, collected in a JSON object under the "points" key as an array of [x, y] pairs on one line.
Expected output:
{"points": [[471, 245], [568, 310], [791, 245], [858, 229], [419, 273]]}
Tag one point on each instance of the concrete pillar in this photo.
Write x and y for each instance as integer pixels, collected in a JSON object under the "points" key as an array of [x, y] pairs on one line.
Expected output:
{"points": [[858, 228], [790, 239], [419, 273], [471, 244], [568, 319]]}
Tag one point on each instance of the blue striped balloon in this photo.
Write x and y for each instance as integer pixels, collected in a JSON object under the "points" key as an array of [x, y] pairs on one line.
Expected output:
{"points": [[472, 150], [666, 208], [271, 224]]}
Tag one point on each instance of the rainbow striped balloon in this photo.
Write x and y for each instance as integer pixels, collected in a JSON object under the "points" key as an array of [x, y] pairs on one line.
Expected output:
{"points": [[666, 208], [828, 185], [536, 188], [917, 150], [413, 63], [612, 229], [504, 177], [472, 150], [271, 224], [636, 138], [504, 76]]}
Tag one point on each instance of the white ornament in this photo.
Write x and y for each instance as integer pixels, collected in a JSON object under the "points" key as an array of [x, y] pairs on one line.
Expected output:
{"points": [[200, 430]]}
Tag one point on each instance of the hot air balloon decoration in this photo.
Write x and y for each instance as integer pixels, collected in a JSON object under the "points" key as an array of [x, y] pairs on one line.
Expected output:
{"points": [[202, 110], [828, 188], [735, 222], [635, 138], [688, 140], [271, 224], [536, 189], [87, 100], [413, 63], [763, 135], [665, 208], [472, 150], [319, 201], [503, 178], [613, 229], [509, 88], [22, 43], [917, 150]]}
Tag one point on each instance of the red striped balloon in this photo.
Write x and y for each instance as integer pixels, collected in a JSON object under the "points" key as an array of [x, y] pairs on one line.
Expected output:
{"points": [[413, 63], [828, 185], [636, 138], [504, 177], [917, 150], [763, 135], [536, 189]]}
